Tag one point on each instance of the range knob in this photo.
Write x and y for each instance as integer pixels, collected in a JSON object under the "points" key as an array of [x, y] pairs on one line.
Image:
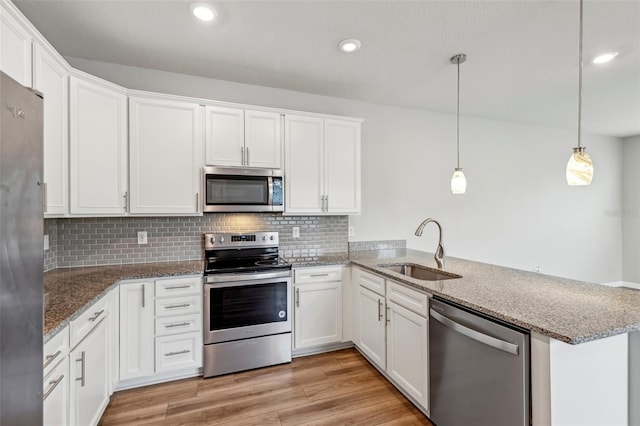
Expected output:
{"points": [[264, 238], [212, 240], [221, 239], [271, 238]]}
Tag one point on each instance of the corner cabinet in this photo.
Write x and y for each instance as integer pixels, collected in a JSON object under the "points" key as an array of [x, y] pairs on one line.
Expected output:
{"points": [[51, 78], [166, 152], [97, 147], [322, 165], [243, 138]]}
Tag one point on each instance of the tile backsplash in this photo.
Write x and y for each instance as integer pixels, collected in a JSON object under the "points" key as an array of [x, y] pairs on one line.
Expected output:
{"points": [[112, 241]]}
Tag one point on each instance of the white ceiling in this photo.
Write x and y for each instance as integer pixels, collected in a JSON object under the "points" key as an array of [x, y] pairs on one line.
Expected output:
{"points": [[521, 66]]}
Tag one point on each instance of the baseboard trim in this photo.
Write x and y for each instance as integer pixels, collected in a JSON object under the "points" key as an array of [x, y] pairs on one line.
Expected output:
{"points": [[321, 349]]}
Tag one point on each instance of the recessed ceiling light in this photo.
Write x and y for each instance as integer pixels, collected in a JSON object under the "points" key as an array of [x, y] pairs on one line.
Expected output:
{"points": [[203, 11], [605, 57], [349, 45]]}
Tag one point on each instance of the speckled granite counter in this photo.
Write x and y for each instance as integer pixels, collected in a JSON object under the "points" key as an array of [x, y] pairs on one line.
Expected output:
{"points": [[566, 310], [73, 290]]}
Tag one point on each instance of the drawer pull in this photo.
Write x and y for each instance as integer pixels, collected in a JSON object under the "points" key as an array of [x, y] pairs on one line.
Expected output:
{"points": [[319, 275], [49, 358], [97, 314], [186, 351], [380, 315], [53, 384], [184, 305], [82, 359], [178, 287], [178, 324]]}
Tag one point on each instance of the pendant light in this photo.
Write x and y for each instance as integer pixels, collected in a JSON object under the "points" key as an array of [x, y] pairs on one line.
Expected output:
{"points": [[458, 181], [580, 166]]}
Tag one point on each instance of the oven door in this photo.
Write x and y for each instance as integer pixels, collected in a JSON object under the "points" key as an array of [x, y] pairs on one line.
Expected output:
{"points": [[238, 310]]}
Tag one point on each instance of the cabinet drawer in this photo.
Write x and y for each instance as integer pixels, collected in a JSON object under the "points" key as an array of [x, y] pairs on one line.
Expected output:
{"points": [[175, 352], [55, 350], [370, 281], [408, 298], [178, 286], [55, 395], [178, 305], [319, 274], [178, 324], [82, 325]]}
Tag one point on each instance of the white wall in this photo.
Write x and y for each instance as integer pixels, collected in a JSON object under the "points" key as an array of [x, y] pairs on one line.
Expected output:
{"points": [[518, 210], [631, 210]]}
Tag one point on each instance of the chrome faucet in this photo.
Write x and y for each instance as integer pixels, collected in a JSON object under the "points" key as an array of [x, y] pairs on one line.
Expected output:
{"points": [[439, 255]]}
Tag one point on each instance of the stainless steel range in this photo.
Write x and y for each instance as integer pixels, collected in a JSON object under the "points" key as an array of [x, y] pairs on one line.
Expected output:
{"points": [[247, 294]]}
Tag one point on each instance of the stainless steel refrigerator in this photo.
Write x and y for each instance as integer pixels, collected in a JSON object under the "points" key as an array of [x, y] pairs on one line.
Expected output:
{"points": [[21, 254]]}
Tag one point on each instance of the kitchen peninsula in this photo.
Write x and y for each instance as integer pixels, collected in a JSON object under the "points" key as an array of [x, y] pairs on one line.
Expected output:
{"points": [[579, 331]]}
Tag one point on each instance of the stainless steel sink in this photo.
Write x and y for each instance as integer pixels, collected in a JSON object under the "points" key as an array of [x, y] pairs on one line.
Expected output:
{"points": [[420, 272]]}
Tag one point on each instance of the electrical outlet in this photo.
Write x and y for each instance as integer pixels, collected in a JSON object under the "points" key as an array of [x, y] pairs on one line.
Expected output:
{"points": [[142, 237], [296, 232], [352, 231], [538, 269], [46, 242]]}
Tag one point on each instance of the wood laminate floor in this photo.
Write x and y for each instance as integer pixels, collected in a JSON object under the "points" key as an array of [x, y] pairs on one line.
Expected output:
{"points": [[336, 388]]}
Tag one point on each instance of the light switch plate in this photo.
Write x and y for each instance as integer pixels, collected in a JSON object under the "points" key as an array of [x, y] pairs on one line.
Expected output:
{"points": [[352, 231], [296, 232], [142, 237], [46, 242]]}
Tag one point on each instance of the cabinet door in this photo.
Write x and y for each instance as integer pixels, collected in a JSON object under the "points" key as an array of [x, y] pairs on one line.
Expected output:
{"points": [[15, 48], [371, 326], [263, 143], [136, 330], [225, 136], [51, 78], [98, 148], [166, 156], [407, 351], [342, 166], [318, 314], [304, 172], [55, 393], [89, 378]]}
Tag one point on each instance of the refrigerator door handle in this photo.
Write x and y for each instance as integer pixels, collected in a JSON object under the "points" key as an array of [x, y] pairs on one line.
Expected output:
{"points": [[475, 335]]}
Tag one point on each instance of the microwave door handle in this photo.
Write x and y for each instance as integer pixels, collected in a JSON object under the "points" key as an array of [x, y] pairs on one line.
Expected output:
{"points": [[270, 190]]}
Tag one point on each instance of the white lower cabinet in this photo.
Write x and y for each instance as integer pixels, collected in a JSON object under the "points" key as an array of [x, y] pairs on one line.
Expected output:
{"points": [[89, 378], [318, 306], [136, 329], [392, 331], [55, 393]]}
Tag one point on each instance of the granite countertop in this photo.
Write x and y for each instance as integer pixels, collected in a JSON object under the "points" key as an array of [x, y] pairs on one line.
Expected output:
{"points": [[73, 290], [567, 310], [325, 260]]}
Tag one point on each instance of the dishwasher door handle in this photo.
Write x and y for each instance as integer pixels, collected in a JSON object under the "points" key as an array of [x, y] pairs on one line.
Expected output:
{"points": [[475, 335]]}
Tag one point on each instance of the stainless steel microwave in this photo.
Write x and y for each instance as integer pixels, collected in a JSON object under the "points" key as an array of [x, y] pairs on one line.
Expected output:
{"points": [[231, 189]]}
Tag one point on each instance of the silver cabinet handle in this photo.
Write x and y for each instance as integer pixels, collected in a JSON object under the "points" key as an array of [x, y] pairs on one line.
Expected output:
{"points": [[247, 148], [82, 359], [475, 335], [242, 154], [184, 305], [177, 287], [49, 358], [388, 315], [186, 351], [96, 315], [126, 200], [178, 324], [143, 297], [297, 297], [44, 197], [379, 310], [197, 202], [326, 203], [52, 386], [319, 275], [322, 203]]}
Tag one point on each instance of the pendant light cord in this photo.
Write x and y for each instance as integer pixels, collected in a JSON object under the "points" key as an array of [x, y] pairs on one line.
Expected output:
{"points": [[458, 120], [579, 81]]}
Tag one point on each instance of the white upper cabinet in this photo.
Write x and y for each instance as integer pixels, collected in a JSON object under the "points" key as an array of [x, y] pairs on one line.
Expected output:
{"points": [[15, 47], [243, 138], [166, 151], [51, 77], [322, 165], [98, 147]]}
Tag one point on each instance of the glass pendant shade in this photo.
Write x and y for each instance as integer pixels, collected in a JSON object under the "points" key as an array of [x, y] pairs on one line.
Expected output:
{"points": [[579, 168], [458, 182]]}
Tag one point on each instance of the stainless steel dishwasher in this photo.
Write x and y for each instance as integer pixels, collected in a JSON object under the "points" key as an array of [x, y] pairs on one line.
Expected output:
{"points": [[479, 369]]}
